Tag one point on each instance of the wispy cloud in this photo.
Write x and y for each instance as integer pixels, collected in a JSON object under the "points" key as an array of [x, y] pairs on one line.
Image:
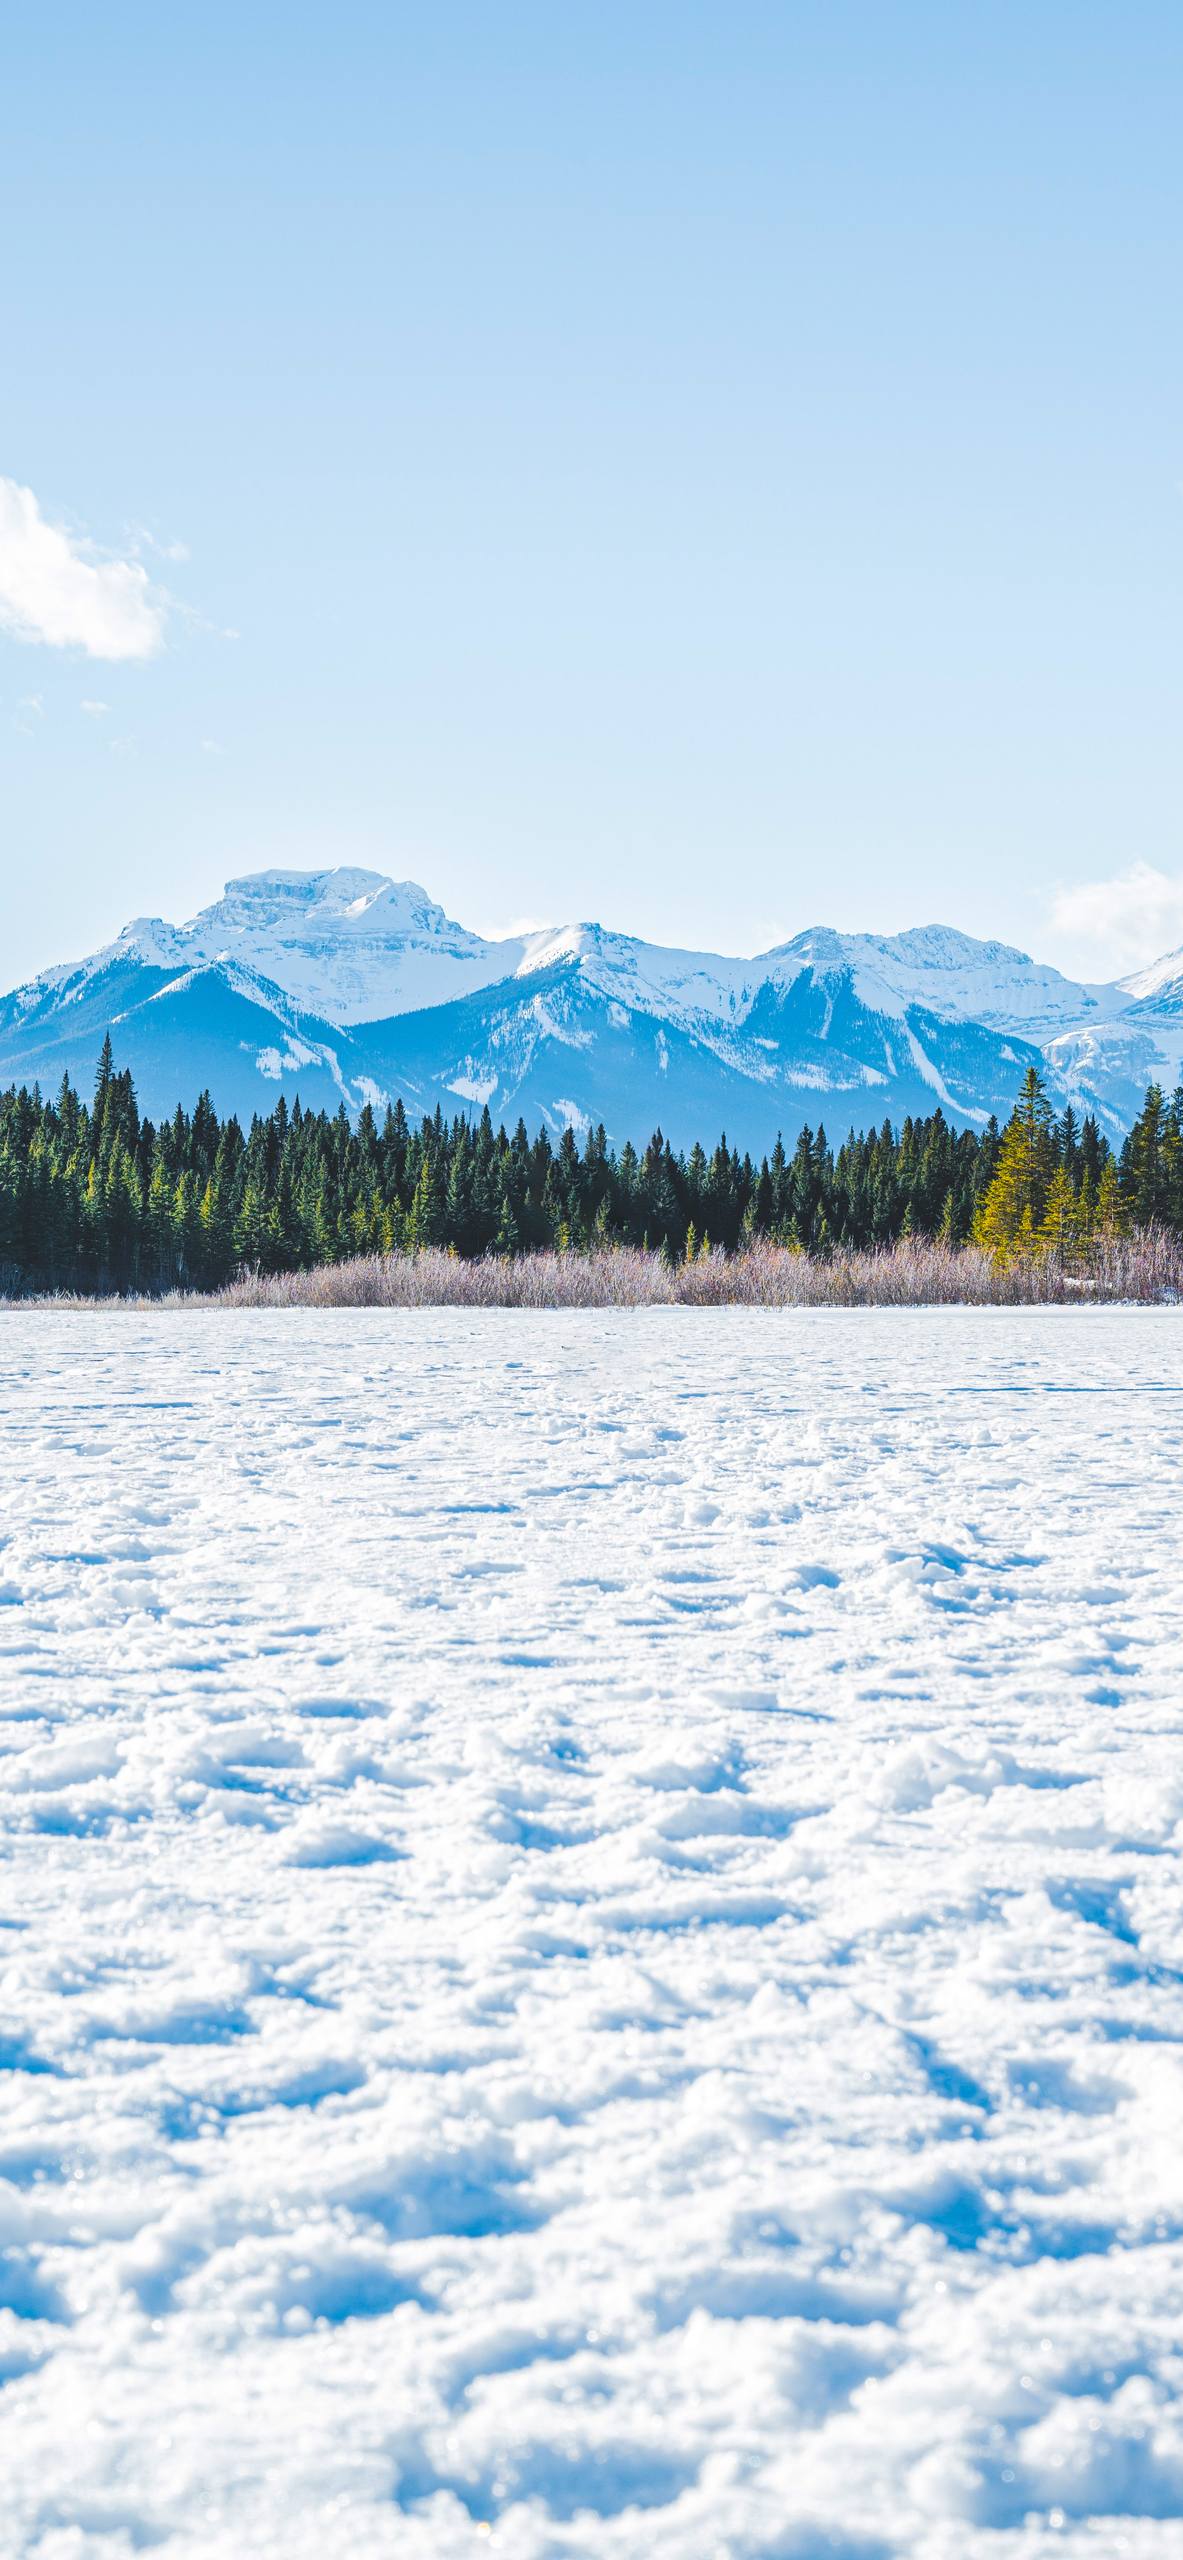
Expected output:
{"points": [[59, 590], [1120, 924], [517, 929], [142, 538]]}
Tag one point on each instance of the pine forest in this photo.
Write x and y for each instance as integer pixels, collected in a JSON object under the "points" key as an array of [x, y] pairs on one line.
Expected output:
{"points": [[96, 1199]]}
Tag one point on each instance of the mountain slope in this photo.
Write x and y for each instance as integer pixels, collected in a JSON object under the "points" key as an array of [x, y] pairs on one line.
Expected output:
{"points": [[177, 1032], [348, 987], [348, 944], [557, 1046]]}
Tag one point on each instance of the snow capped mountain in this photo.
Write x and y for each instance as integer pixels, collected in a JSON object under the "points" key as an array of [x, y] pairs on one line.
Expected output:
{"points": [[950, 975], [348, 943], [1162, 982], [692, 986], [348, 987]]}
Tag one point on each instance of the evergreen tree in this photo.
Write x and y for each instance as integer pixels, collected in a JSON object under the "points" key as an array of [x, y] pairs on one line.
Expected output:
{"points": [[1110, 1220], [104, 1076], [1059, 1231], [1011, 1215], [95, 1198], [1147, 1162]]}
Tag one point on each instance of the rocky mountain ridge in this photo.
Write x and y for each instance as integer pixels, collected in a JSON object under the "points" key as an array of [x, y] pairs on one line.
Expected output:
{"points": [[345, 986]]}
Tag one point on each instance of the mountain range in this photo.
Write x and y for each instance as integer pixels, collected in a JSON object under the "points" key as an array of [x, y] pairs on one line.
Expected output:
{"points": [[343, 986]]}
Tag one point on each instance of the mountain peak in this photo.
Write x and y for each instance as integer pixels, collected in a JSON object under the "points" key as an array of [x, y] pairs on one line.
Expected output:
{"points": [[344, 899], [950, 973], [346, 878], [377, 991], [351, 944], [278, 886], [1163, 977]]}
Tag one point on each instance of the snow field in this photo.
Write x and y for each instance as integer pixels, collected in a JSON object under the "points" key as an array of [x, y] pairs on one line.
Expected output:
{"points": [[590, 1935]]}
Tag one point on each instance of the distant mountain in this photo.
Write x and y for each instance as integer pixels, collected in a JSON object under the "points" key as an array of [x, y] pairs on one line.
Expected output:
{"points": [[346, 987]]}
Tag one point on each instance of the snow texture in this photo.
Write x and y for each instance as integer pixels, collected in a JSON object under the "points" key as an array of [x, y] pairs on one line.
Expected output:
{"points": [[591, 1933]]}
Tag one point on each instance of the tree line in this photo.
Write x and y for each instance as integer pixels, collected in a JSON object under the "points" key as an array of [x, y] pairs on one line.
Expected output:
{"points": [[96, 1198]]}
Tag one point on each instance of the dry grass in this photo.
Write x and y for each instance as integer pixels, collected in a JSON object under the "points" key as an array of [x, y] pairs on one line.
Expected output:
{"points": [[1146, 1269]]}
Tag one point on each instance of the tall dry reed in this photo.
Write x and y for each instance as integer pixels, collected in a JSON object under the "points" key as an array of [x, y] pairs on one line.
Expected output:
{"points": [[1146, 1269]]}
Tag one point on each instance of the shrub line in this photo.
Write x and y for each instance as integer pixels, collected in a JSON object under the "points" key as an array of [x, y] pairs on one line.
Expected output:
{"points": [[1145, 1268]]}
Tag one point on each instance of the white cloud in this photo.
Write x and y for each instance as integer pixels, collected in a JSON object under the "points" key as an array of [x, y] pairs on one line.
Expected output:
{"points": [[518, 929], [1116, 925], [59, 590], [142, 538], [96, 710]]}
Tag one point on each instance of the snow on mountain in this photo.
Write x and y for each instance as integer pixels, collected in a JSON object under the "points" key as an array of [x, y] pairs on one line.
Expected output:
{"points": [[950, 974], [933, 966], [347, 943], [347, 986], [177, 1030], [350, 944], [1161, 983], [697, 988], [1135, 1038]]}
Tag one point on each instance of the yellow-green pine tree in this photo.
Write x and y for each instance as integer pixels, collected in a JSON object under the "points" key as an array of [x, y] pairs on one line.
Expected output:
{"points": [[1059, 1231], [1010, 1216], [1110, 1220]]}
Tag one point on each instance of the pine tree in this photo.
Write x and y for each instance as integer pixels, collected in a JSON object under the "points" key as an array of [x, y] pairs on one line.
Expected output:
{"points": [[104, 1075], [1059, 1232], [427, 1222], [99, 1199], [1110, 1220], [507, 1241], [1086, 1209], [1146, 1162], [1011, 1214]]}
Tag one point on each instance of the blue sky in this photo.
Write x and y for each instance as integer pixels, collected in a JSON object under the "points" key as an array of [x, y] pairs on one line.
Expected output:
{"points": [[718, 468]]}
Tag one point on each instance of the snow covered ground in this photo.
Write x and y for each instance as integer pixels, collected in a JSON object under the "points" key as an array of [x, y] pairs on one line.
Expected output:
{"points": [[591, 1935]]}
